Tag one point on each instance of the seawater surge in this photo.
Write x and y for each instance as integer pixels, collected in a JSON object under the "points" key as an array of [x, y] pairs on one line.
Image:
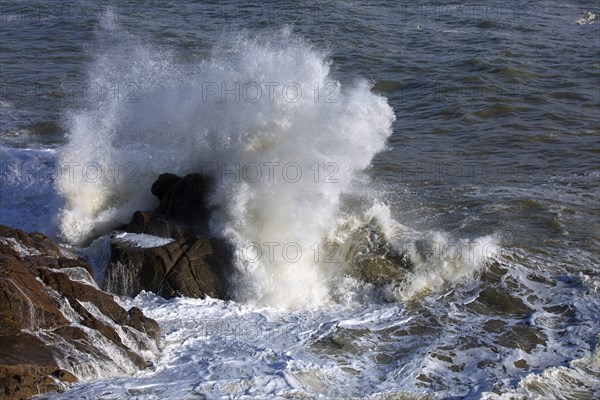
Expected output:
{"points": [[283, 139]]}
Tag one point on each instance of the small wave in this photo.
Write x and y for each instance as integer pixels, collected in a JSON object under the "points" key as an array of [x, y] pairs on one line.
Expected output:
{"points": [[587, 18]]}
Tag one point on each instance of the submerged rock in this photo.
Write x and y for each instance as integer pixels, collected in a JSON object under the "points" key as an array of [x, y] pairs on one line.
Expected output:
{"points": [[193, 265], [382, 269], [375, 261], [56, 326]]}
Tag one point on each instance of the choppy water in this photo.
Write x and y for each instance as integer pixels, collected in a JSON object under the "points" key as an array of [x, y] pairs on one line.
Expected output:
{"points": [[493, 154]]}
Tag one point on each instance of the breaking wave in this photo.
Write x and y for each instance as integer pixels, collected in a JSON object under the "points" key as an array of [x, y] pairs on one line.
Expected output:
{"points": [[284, 140]]}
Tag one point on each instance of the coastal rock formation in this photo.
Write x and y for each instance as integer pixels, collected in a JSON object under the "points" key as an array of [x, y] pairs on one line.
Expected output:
{"points": [[155, 224], [184, 200], [192, 268], [192, 265], [56, 326]]}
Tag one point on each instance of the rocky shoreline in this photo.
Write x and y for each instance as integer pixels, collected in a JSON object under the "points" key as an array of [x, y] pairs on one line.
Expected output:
{"points": [[59, 326], [56, 325]]}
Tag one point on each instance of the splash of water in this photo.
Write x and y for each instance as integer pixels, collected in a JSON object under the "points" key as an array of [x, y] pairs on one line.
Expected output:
{"points": [[264, 115]]}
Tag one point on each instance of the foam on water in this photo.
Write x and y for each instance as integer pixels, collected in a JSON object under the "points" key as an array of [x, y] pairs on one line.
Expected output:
{"points": [[143, 240], [377, 350], [438, 259], [261, 352]]}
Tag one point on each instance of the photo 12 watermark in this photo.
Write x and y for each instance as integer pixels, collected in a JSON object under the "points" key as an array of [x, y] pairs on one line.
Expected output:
{"points": [[468, 12], [272, 171], [142, 89], [461, 172], [328, 252], [130, 172], [449, 93], [127, 172]]}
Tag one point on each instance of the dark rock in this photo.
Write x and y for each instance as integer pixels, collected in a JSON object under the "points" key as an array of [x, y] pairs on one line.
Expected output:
{"points": [[163, 184], [155, 224], [184, 200], [192, 268], [194, 265], [133, 269], [201, 271], [42, 293]]}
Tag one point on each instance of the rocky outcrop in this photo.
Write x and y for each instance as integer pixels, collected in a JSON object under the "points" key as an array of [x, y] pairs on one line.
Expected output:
{"points": [[56, 326], [193, 265], [155, 224], [191, 268], [184, 200]]}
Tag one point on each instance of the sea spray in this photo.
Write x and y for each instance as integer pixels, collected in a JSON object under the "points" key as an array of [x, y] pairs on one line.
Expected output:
{"points": [[283, 138], [422, 263], [284, 142]]}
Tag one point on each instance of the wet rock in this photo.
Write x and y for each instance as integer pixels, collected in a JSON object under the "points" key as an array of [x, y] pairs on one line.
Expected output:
{"points": [[498, 301], [201, 271], [163, 184], [28, 367], [184, 200], [155, 224], [192, 268], [138, 321], [194, 265], [382, 269], [133, 269], [55, 324]]}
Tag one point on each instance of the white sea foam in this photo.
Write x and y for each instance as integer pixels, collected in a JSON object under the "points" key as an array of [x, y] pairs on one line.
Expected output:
{"points": [[143, 240], [217, 349]]}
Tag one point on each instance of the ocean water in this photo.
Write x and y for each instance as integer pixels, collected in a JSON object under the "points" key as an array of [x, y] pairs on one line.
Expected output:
{"points": [[341, 135]]}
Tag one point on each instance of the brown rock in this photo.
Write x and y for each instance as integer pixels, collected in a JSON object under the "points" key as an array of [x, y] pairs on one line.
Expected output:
{"points": [[64, 262], [25, 302], [200, 272], [140, 322], [37, 241], [27, 366], [37, 285]]}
